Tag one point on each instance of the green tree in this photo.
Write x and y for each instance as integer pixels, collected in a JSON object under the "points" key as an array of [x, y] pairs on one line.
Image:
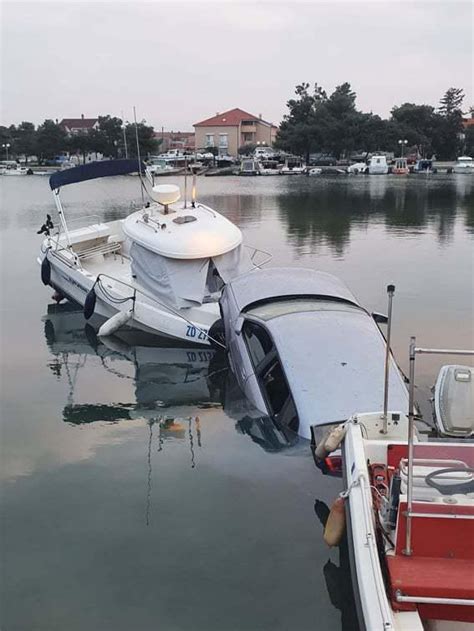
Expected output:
{"points": [[52, 139], [25, 138], [448, 139], [302, 129], [451, 102], [82, 143], [146, 138], [109, 136], [244, 150], [6, 138], [418, 124]]}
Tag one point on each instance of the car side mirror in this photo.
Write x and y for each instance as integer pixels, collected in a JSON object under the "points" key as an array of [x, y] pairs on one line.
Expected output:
{"points": [[380, 318], [239, 323]]}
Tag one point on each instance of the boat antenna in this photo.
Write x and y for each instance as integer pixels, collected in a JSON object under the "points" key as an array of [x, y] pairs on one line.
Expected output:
{"points": [[390, 292], [138, 155], [185, 182], [124, 138], [193, 189]]}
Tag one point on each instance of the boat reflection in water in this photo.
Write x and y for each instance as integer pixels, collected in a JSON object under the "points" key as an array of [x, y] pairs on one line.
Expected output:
{"points": [[163, 377]]}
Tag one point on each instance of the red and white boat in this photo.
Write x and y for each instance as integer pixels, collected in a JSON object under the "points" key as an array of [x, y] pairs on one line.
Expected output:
{"points": [[409, 508]]}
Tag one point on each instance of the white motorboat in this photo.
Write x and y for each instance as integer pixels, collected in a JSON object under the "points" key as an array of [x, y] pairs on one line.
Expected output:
{"points": [[293, 166], [409, 506], [465, 165], [315, 171], [161, 269], [162, 166], [15, 170], [268, 167], [249, 166], [424, 166], [378, 165], [357, 167]]}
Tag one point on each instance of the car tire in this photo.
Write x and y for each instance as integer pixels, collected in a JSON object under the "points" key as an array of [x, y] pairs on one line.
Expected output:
{"points": [[216, 335]]}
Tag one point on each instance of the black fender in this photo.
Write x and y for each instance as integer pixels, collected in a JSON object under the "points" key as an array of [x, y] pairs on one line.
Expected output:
{"points": [[46, 270], [89, 303]]}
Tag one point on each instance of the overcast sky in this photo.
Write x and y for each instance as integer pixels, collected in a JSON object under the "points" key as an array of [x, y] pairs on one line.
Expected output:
{"points": [[181, 62]]}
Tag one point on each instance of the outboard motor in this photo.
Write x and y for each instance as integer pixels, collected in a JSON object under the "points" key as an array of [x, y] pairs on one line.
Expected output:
{"points": [[46, 227]]}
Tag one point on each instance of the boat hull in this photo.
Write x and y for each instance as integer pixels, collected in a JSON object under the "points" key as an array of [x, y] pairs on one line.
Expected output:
{"points": [[148, 316], [463, 170]]}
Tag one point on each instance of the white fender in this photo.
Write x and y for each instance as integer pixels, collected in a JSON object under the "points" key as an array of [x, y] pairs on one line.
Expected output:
{"points": [[115, 322], [335, 437]]}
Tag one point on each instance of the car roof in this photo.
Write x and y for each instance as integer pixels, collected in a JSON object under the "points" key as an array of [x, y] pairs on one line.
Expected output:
{"points": [[334, 364], [278, 282]]}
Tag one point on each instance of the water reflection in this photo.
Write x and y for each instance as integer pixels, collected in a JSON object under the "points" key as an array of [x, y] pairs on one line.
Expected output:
{"points": [[327, 215], [163, 377], [338, 577]]}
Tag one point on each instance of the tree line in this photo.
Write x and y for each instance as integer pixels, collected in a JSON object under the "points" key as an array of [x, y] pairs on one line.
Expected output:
{"points": [[50, 139], [318, 122], [315, 122]]}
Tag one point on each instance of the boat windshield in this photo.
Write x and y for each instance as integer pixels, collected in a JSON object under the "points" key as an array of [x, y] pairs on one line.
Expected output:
{"points": [[271, 310]]}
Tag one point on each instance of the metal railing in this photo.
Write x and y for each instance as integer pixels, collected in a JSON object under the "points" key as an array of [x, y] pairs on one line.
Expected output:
{"points": [[415, 350]]}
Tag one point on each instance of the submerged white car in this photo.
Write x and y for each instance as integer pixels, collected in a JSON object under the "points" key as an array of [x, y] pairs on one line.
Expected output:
{"points": [[303, 350]]}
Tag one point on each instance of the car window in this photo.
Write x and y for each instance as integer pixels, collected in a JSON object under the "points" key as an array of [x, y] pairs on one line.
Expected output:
{"points": [[288, 416], [274, 384], [258, 341], [276, 308]]}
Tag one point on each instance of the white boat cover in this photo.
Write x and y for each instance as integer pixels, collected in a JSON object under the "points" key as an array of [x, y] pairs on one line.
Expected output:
{"points": [[185, 283]]}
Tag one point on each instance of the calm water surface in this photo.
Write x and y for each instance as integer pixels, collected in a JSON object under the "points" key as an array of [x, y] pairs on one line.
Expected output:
{"points": [[137, 494]]}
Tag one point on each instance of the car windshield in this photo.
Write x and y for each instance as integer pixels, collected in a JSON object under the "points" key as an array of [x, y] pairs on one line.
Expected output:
{"points": [[271, 310]]}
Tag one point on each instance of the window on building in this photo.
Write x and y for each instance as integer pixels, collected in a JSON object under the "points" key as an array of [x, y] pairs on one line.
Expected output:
{"points": [[223, 141], [209, 140]]}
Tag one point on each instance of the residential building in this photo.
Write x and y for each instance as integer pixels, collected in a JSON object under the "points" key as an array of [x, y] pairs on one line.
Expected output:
{"points": [[79, 125], [183, 140], [233, 129], [468, 122]]}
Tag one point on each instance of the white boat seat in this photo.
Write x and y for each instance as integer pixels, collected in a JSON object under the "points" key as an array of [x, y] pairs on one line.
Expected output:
{"points": [[109, 247], [96, 231]]}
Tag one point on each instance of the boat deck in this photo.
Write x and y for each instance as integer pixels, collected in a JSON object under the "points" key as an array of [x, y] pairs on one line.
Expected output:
{"points": [[437, 578], [113, 265]]}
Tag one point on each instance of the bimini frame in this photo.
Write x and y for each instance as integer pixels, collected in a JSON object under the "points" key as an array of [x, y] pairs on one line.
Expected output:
{"points": [[415, 350]]}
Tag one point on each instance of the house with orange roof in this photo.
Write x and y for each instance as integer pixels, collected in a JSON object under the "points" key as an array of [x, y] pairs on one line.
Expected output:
{"points": [[79, 125], [228, 131]]}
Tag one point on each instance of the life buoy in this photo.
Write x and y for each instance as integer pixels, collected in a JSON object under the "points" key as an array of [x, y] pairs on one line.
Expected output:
{"points": [[45, 270], [89, 303]]}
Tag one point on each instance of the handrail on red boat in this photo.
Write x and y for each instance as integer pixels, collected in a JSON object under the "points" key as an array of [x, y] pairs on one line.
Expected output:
{"points": [[415, 350]]}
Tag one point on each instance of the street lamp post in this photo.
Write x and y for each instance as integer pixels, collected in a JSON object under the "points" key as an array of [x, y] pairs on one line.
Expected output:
{"points": [[402, 143], [6, 146]]}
